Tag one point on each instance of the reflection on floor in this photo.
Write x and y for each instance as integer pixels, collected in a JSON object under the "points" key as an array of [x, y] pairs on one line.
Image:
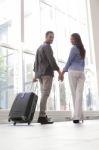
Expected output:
{"points": [[59, 136]]}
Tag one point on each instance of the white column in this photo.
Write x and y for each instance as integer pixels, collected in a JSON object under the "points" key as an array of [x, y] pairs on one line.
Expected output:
{"points": [[93, 19]]}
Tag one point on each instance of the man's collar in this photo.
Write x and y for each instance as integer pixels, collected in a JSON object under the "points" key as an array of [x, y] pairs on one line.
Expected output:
{"points": [[47, 42]]}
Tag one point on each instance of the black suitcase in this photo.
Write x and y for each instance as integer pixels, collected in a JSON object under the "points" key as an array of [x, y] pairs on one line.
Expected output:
{"points": [[23, 108]]}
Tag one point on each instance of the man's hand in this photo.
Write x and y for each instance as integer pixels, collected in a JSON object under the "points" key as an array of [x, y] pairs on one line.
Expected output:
{"points": [[60, 75], [34, 80]]}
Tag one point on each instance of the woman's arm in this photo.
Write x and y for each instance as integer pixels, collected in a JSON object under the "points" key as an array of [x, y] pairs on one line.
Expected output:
{"points": [[70, 60]]}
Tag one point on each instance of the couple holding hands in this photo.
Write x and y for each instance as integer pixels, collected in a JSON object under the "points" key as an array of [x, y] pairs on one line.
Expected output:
{"points": [[44, 67]]}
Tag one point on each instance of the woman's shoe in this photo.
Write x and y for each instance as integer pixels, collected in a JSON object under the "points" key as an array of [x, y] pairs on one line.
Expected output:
{"points": [[76, 121]]}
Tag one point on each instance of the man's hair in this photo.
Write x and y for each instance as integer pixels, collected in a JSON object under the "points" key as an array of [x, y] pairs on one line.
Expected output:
{"points": [[48, 32]]}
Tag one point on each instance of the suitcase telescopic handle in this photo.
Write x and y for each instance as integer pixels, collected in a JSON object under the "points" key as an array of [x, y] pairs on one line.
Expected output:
{"points": [[36, 87]]}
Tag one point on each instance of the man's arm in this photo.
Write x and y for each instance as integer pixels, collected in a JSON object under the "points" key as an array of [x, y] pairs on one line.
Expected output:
{"points": [[49, 54], [34, 69]]}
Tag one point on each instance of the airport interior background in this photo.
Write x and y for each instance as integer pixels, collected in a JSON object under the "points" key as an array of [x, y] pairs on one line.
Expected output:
{"points": [[23, 24]]}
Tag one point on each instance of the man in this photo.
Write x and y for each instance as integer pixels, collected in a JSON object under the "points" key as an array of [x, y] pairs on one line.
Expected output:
{"points": [[44, 68]]}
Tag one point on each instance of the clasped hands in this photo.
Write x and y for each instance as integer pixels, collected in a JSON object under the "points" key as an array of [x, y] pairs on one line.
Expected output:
{"points": [[61, 75]]}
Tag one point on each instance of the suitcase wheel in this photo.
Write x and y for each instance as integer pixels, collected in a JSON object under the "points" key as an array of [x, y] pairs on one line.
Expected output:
{"points": [[29, 123], [9, 120], [14, 123]]}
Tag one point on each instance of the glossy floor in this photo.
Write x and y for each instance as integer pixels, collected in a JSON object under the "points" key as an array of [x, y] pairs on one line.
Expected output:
{"points": [[59, 136]]}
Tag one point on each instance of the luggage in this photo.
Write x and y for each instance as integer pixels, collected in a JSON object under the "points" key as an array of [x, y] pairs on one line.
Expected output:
{"points": [[23, 108]]}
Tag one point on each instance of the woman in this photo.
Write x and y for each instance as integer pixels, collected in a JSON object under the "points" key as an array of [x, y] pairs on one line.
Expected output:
{"points": [[75, 68]]}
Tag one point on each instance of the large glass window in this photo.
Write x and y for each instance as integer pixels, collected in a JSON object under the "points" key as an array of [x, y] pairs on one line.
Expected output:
{"points": [[31, 21], [31, 24], [8, 77], [10, 21], [28, 70]]}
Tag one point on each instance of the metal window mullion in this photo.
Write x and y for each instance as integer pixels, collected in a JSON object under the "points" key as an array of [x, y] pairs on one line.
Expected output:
{"points": [[22, 20]]}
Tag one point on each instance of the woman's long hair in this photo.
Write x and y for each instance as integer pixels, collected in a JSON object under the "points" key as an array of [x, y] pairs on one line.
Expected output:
{"points": [[79, 44]]}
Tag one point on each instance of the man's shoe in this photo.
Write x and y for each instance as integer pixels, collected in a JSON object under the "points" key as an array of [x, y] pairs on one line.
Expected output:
{"points": [[76, 121], [45, 120]]}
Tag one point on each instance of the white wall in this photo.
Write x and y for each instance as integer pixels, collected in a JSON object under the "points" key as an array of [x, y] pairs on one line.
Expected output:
{"points": [[93, 10]]}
